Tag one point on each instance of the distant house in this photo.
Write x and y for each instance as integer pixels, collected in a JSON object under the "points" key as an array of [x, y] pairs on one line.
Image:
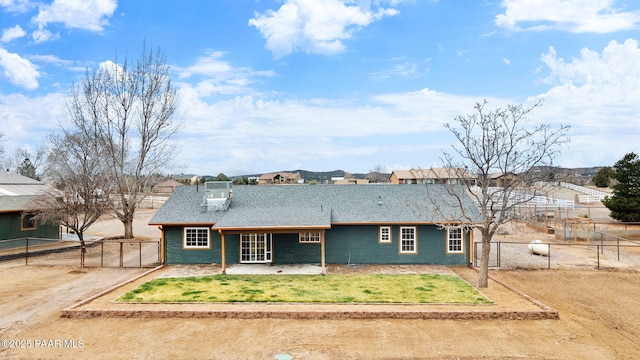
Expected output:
{"points": [[352, 181], [166, 187], [280, 178], [502, 179], [431, 176], [373, 224], [17, 193]]}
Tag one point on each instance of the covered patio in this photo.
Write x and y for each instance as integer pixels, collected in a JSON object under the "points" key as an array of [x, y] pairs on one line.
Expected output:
{"points": [[256, 227]]}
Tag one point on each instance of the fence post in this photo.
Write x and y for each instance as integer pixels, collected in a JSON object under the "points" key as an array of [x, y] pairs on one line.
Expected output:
{"points": [[548, 256], [121, 256], [140, 253], [101, 253], [26, 253], [598, 255], [618, 246], [499, 257]]}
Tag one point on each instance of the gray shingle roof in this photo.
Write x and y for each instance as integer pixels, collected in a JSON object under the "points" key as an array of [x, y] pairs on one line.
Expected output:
{"points": [[17, 191], [15, 185], [16, 203], [316, 206], [275, 217]]}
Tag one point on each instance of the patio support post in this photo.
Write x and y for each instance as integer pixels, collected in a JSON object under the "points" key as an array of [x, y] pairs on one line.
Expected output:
{"points": [[223, 260], [471, 247], [161, 254], [324, 269]]}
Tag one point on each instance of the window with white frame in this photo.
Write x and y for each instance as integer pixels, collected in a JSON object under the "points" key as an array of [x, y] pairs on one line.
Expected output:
{"points": [[385, 234], [196, 238], [408, 240], [454, 240], [256, 248], [309, 237]]}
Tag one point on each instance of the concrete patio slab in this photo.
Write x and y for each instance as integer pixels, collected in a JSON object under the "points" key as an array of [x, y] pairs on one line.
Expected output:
{"points": [[274, 269]]}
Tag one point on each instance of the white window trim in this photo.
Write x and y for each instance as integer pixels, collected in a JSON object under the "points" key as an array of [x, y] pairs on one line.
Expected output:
{"points": [[255, 242], [450, 239], [309, 237], [381, 239], [198, 229], [415, 240]]}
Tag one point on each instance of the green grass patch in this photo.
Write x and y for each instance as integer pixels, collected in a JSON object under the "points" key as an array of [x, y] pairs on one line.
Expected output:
{"points": [[333, 288]]}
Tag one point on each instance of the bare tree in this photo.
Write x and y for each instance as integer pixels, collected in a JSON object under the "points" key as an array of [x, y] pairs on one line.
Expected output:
{"points": [[128, 108], [78, 197], [500, 142], [2, 139], [378, 174]]}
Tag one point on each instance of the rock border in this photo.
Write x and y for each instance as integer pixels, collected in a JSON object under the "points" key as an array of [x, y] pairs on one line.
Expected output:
{"points": [[311, 311]]}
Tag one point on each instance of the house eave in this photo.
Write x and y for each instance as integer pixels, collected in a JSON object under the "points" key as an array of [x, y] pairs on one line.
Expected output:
{"points": [[280, 229], [207, 224]]}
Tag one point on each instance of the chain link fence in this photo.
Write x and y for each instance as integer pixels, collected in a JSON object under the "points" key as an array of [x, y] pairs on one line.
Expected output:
{"points": [[611, 253]]}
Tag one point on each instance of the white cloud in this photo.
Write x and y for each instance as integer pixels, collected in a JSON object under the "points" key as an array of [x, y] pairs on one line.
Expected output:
{"points": [[18, 6], [597, 94], [405, 70], [27, 120], [315, 26], [80, 14], [52, 59], [19, 71], [219, 76], [506, 61], [578, 16], [614, 74], [212, 64], [259, 130], [43, 35], [12, 33]]}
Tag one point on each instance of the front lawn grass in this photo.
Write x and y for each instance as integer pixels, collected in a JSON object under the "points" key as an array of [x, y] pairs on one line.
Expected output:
{"points": [[332, 288]]}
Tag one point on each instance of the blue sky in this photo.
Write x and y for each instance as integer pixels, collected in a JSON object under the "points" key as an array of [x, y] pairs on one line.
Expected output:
{"points": [[328, 84]]}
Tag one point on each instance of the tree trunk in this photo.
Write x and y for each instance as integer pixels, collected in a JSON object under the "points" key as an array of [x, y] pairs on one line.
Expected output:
{"points": [[128, 227], [483, 276], [83, 249]]}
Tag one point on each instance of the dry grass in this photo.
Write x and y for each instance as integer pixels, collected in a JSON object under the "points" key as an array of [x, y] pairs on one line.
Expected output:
{"points": [[360, 288]]}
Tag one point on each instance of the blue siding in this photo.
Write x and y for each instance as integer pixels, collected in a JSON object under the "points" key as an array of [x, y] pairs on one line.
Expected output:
{"points": [[176, 254], [356, 244], [359, 245], [287, 250], [231, 249], [10, 228]]}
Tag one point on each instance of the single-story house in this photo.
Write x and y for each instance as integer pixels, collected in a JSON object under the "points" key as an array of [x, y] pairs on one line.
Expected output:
{"points": [[166, 187], [431, 176], [17, 193], [502, 179], [280, 178], [368, 224]]}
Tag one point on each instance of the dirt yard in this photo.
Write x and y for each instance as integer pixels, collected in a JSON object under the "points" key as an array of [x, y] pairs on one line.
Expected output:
{"points": [[599, 319]]}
